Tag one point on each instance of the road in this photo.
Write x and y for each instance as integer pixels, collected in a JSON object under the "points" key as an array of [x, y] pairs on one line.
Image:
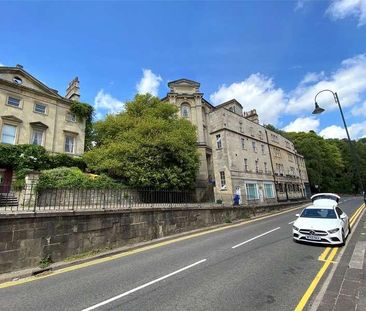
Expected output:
{"points": [[252, 266]]}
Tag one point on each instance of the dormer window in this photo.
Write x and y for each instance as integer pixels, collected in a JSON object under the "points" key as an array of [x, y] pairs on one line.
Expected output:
{"points": [[17, 80]]}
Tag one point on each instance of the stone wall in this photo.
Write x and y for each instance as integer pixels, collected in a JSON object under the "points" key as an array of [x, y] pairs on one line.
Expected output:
{"points": [[28, 238]]}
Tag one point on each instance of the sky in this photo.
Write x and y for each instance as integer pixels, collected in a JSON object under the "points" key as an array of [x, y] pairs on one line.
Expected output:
{"points": [[273, 56]]}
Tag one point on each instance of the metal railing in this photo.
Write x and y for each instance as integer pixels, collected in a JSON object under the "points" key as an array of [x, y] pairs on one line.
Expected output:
{"points": [[28, 199]]}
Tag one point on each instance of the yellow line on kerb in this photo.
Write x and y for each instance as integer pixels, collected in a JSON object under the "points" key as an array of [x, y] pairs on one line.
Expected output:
{"points": [[300, 306], [135, 251], [315, 281]]}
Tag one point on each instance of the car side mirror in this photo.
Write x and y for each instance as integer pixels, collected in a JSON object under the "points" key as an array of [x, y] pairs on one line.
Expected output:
{"points": [[342, 216], [297, 215]]}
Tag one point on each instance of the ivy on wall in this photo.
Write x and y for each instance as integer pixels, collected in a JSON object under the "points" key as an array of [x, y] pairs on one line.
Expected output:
{"points": [[85, 111]]}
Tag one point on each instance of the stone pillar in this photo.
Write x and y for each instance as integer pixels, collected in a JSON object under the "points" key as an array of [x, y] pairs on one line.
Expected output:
{"points": [[27, 198]]}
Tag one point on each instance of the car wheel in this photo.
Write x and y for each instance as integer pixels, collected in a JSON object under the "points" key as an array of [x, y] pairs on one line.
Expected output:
{"points": [[343, 238]]}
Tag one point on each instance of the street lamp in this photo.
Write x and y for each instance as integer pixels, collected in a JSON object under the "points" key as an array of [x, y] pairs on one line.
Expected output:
{"points": [[319, 110]]}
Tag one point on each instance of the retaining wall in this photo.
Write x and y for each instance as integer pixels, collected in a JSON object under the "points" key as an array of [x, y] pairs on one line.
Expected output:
{"points": [[25, 239]]}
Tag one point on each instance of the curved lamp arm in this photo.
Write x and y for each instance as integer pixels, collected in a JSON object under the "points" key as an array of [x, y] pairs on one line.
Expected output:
{"points": [[326, 90]]}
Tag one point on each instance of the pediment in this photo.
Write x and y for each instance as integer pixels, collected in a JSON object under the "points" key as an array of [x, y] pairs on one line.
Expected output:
{"points": [[19, 77], [184, 86], [12, 118], [39, 124]]}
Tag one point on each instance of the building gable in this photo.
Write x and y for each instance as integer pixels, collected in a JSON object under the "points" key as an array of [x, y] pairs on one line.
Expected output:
{"points": [[18, 77]]}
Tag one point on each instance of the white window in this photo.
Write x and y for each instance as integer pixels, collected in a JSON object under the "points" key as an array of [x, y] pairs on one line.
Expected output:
{"points": [[218, 141], [254, 148], [262, 146], [40, 108], [246, 165], [15, 102], [69, 143], [241, 127], [265, 167], [8, 134], [256, 166], [260, 135], [71, 117], [268, 190], [242, 143], [222, 180], [252, 191], [185, 111], [37, 137]]}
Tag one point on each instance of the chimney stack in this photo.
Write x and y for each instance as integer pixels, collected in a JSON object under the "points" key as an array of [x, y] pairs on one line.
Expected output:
{"points": [[73, 90], [252, 116]]}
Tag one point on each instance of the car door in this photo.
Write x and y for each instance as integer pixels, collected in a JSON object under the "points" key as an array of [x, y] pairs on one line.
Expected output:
{"points": [[344, 220]]}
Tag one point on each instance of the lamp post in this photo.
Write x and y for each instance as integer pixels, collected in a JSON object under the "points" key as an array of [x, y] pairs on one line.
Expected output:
{"points": [[319, 110]]}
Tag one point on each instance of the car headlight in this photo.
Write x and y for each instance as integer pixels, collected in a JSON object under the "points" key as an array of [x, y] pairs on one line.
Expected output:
{"points": [[333, 230], [295, 228]]}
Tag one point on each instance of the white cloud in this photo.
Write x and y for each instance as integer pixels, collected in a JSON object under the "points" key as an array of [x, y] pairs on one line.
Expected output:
{"points": [[356, 131], [360, 110], [149, 83], [256, 92], [348, 81], [106, 103], [302, 125], [1, 65], [340, 9]]}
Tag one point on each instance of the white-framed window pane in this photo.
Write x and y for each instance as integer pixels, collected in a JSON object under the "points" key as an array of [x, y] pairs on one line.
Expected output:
{"points": [[243, 143], [37, 137], [69, 144], [218, 141], [268, 190], [40, 108], [8, 134], [15, 102], [252, 193], [222, 179]]}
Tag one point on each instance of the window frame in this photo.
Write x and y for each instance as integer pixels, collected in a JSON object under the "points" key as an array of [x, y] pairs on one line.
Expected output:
{"points": [[222, 180], [15, 133], [16, 98], [39, 130], [73, 120], [249, 198], [218, 141], [68, 135], [35, 108]]}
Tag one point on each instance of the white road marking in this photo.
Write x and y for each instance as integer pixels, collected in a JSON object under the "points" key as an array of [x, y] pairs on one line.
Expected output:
{"points": [[142, 286], [290, 223], [256, 237]]}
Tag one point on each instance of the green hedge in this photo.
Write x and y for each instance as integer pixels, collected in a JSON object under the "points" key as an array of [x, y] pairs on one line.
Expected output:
{"points": [[35, 157], [73, 177]]}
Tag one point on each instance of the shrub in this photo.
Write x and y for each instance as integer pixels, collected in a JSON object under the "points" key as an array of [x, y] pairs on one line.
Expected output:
{"points": [[71, 178]]}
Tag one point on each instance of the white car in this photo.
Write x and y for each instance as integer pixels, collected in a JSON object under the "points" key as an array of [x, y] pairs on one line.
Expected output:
{"points": [[322, 222]]}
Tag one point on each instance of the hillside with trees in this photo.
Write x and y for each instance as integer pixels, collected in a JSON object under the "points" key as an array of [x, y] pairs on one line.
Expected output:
{"points": [[329, 162]]}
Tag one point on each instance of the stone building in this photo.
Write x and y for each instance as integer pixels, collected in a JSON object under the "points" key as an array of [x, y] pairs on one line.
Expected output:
{"points": [[238, 156], [33, 113]]}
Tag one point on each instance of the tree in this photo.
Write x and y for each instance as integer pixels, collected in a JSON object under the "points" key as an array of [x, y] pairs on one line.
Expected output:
{"points": [[146, 145]]}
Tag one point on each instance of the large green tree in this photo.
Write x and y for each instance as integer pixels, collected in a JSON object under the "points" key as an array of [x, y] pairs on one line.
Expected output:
{"points": [[146, 145]]}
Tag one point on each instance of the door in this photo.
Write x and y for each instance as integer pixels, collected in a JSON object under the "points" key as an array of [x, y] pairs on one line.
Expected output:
{"points": [[5, 179]]}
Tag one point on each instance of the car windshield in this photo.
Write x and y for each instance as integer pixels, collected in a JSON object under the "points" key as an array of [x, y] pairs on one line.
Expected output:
{"points": [[318, 213]]}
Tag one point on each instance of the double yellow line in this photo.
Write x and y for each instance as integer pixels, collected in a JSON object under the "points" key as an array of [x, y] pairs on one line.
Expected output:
{"points": [[327, 261]]}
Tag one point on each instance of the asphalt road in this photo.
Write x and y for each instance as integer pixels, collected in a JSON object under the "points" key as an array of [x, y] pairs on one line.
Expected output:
{"points": [[254, 266]]}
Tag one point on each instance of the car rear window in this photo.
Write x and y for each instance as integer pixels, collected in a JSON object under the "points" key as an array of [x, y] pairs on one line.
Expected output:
{"points": [[318, 213]]}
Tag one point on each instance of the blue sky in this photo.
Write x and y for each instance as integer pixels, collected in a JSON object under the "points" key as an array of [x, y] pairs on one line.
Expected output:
{"points": [[270, 55]]}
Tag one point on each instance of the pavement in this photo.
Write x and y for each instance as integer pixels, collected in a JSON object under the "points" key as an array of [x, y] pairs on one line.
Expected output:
{"points": [[253, 265], [346, 290]]}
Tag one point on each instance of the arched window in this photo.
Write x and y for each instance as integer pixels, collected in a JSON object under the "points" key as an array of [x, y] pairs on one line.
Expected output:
{"points": [[185, 110]]}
